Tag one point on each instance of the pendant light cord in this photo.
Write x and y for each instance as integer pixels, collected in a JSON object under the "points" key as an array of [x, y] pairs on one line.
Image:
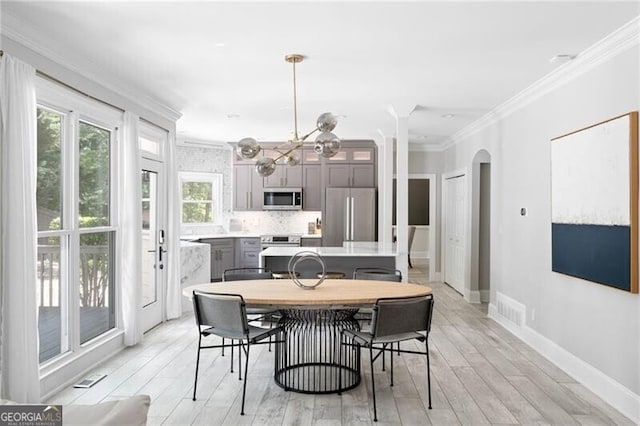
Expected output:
{"points": [[295, 105]]}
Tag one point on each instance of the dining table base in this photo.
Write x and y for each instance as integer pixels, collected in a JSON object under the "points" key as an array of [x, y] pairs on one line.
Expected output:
{"points": [[310, 358]]}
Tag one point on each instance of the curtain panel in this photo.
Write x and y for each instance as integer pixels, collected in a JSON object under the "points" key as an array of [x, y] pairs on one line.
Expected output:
{"points": [[130, 223], [19, 362], [174, 287]]}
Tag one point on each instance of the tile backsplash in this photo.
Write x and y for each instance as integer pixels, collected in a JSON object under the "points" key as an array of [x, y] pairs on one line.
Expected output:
{"points": [[260, 223], [274, 222], [219, 160]]}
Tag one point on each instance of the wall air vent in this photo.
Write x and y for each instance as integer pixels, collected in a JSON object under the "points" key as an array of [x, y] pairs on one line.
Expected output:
{"points": [[510, 310]]}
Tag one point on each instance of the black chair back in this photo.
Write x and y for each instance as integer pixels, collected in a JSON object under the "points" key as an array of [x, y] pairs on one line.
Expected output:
{"points": [[377, 274], [241, 274], [395, 316], [225, 313]]}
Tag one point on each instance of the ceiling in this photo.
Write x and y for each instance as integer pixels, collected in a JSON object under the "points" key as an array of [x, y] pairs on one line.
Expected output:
{"points": [[221, 64]]}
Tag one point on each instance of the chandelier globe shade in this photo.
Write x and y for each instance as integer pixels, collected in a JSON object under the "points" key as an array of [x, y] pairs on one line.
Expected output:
{"points": [[326, 143]]}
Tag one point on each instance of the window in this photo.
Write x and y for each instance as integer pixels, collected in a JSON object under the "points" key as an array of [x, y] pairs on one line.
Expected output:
{"points": [[201, 195], [76, 236]]}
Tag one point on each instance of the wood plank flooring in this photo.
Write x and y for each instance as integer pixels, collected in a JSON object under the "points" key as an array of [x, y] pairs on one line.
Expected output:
{"points": [[481, 374]]}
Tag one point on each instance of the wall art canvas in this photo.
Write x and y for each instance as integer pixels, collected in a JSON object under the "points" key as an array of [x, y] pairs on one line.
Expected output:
{"points": [[594, 203]]}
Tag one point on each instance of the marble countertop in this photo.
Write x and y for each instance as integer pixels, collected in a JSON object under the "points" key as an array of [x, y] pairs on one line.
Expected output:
{"points": [[194, 237], [191, 244], [348, 250]]}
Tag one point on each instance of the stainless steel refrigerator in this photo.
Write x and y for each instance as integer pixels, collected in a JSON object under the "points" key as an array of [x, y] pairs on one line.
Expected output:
{"points": [[349, 214]]}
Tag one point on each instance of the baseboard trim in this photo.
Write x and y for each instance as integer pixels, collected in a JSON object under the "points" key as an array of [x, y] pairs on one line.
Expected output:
{"points": [[472, 296], [611, 391], [485, 296]]}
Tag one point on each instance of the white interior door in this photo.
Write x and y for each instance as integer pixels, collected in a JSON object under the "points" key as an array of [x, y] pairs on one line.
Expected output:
{"points": [[153, 239], [455, 231]]}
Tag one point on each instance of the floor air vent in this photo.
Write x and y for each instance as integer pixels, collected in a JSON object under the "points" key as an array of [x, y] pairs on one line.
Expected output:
{"points": [[89, 381], [510, 310]]}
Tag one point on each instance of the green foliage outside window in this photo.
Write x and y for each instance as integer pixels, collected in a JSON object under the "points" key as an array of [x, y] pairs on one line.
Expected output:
{"points": [[197, 202]]}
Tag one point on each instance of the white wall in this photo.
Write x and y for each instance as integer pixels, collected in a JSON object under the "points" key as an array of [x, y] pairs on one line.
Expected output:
{"points": [[597, 326]]}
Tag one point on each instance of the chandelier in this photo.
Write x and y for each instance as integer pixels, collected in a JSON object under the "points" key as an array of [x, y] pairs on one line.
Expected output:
{"points": [[326, 144]]}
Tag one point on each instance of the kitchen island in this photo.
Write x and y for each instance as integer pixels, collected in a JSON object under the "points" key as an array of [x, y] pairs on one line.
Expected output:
{"points": [[338, 259]]}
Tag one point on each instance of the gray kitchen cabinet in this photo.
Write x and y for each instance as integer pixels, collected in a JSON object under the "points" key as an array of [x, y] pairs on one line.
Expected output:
{"points": [[312, 188], [353, 155], [247, 252], [310, 157], [362, 175], [311, 242], [247, 188], [284, 177], [336, 175], [222, 256], [349, 175]]}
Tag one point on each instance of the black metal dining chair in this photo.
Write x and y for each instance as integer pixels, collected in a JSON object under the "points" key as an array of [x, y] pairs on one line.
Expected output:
{"points": [[394, 320], [225, 315], [380, 274], [257, 314]]}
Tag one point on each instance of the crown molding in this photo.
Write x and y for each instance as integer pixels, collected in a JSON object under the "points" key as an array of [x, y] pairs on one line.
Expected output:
{"points": [[417, 147], [182, 140], [612, 45], [10, 29]]}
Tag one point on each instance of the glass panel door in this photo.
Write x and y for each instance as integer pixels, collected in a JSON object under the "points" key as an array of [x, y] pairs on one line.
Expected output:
{"points": [[152, 238]]}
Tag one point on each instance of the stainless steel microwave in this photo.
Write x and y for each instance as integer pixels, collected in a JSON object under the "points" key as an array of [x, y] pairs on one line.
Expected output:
{"points": [[282, 199]]}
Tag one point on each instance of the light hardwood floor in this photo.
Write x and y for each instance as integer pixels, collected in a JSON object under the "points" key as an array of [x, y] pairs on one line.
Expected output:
{"points": [[481, 374]]}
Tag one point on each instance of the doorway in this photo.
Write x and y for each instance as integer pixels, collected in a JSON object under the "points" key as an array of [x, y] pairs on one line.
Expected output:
{"points": [[455, 230], [480, 228], [152, 243], [422, 215]]}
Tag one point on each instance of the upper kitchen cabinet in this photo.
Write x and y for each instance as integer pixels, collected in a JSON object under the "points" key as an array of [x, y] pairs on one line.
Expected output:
{"points": [[353, 166], [353, 155], [310, 157], [285, 177], [349, 175], [247, 188], [312, 188]]}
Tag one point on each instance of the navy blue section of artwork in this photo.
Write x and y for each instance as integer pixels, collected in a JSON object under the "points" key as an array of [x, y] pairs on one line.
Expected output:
{"points": [[598, 253]]}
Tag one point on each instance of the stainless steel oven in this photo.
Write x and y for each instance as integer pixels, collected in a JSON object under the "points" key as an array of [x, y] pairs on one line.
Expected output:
{"points": [[279, 241]]}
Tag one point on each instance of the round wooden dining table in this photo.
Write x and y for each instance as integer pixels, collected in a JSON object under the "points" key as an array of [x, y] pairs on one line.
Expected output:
{"points": [[310, 358]]}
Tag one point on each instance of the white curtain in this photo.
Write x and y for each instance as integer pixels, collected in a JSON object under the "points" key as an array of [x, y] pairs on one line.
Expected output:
{"points": [[18, 144], [174, 287], [130, 222]]}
